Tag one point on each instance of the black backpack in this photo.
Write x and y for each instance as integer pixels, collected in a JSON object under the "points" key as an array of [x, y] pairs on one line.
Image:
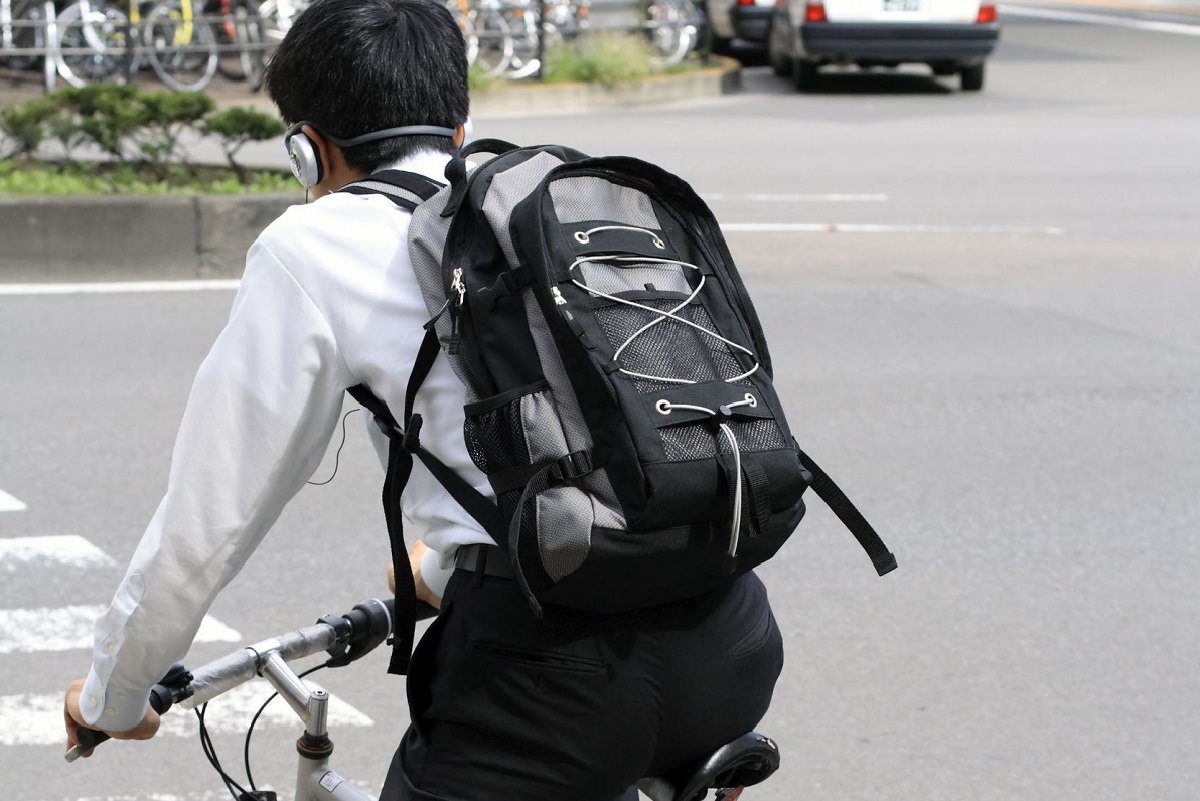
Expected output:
{"points": [[618, 382]]}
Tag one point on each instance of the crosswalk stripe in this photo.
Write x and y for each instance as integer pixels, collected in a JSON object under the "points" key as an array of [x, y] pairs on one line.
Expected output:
{"points": [[10, 504], [36, 718], [68, 550], [67, 628]]}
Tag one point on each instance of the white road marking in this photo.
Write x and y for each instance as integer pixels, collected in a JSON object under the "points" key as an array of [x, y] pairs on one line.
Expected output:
{"points": [[210, 795], [799, 198], [68, 628], [111, 287], [68, 550], [802, 228], [10, 504], [1103, 19], [861, 228], [36, 718]]}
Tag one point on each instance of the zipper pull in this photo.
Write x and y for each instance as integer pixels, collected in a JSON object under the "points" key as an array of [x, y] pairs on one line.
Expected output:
{"points": [[559, 300], [457, 285], [458, 298]]}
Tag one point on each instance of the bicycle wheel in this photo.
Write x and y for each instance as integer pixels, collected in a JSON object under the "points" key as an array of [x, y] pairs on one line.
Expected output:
{"points": [[181, 49], [93, 43], [494, 43], [20, 24], [239, 35], [277, 16], [522, 22], [672, 29]]}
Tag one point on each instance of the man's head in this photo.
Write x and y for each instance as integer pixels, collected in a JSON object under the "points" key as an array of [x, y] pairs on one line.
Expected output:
{"points": [[353, 67]]}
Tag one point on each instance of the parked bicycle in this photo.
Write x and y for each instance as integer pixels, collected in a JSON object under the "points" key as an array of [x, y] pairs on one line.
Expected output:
{"points": [[746, 761], [100, 40]]}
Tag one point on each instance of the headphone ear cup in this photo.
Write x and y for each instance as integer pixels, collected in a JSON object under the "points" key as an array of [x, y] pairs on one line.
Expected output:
{"points": [[305, 162]]}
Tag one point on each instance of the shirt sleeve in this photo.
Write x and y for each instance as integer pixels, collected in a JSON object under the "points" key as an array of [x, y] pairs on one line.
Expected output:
{"points": [[259, 417]]}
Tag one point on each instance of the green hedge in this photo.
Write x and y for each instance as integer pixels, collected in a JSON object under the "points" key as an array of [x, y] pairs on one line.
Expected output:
{"points": [[138, 133]]}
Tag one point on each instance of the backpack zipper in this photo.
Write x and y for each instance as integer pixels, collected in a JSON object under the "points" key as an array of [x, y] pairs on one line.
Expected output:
{"points": [[459, 288]]}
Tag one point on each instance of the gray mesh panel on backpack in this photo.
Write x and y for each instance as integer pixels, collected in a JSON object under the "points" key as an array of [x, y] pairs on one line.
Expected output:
{"points": [[606, 510], [591, 198], [683, 352], [507, 190], [609, 280]]}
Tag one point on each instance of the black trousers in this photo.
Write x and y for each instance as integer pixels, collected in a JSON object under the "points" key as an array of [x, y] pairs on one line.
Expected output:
{"points": [[505, 707]]}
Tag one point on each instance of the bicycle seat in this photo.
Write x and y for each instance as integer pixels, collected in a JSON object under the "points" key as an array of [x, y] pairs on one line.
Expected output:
{"points": [[746, 761]]}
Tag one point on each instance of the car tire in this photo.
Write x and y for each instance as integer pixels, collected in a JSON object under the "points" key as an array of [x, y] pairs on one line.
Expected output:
{"points": [[804, 75], [970, 79], [780, 62]]}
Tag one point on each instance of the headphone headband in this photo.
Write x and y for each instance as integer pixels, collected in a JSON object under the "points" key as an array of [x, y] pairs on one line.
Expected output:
{"points": [[306, 163], [390, 133]]}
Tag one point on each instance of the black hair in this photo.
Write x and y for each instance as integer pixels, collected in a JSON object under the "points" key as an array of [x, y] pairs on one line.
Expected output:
{"points": [[350, 67]]}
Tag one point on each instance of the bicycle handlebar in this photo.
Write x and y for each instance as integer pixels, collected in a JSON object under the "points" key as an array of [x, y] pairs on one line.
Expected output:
{"points": [[345, 637]]}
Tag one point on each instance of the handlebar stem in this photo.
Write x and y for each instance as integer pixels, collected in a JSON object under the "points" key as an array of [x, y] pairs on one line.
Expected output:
{"points": [[293, 690], [318, 708]]}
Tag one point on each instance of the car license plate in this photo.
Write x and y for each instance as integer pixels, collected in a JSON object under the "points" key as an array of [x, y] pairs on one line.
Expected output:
{"points": [[901, 5]]}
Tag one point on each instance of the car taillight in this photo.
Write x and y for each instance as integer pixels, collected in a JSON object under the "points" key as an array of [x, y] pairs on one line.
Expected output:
{"points": [[815, 12], [987, 13], [745, 2]]}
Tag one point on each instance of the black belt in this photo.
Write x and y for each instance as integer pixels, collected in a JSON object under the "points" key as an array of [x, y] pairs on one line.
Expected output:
{"points": [[494, 561]]}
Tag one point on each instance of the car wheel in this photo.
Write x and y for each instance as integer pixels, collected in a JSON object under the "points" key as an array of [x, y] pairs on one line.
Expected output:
{"points": [[779, 65], [804, 75], [971, 78], [779, 61]]}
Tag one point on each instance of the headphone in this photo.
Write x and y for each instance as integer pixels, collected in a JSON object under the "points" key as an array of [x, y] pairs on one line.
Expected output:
{"points": [[306, 163]]}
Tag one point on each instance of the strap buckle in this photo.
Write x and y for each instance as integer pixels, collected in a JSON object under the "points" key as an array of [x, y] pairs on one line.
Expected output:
{"points": [[411, 440], [572, 466]]}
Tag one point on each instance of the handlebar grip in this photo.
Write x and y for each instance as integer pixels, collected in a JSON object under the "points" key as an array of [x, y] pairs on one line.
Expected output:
{"points": [[425, 611], [88, 739], [161, 698]]}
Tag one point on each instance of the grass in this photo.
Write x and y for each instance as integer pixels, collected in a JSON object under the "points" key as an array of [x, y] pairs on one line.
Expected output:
{"points": [[28, 178]]}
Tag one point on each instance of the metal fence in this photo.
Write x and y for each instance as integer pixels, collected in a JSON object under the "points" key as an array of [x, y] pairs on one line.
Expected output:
{"points": [[186, 43]]}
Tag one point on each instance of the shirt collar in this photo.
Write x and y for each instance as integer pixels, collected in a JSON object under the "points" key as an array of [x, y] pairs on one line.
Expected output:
{"points": [[429, 163]]}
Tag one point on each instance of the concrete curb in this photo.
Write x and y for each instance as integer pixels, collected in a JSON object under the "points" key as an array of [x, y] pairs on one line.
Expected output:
{"points": [[128, 238], [131, 238]]}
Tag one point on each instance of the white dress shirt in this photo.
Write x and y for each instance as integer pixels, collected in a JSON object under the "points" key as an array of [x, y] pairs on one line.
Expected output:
{"points": [[328, 300]]}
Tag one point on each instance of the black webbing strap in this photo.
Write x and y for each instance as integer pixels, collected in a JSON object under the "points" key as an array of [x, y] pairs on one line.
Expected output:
{"points": [[573, 466], [403, 444], [414, 183], [831, 493], [399, 470], [758, 487]]}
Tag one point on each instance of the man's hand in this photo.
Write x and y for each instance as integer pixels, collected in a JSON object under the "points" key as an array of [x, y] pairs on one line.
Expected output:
{"points": [[73, 718], [414, 564]]}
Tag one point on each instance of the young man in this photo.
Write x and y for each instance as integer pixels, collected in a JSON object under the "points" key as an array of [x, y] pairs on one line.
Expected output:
{"points": [[503, 707]]}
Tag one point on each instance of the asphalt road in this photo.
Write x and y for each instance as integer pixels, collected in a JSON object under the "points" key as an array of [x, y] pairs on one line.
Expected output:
{"points": [[997, 354]]}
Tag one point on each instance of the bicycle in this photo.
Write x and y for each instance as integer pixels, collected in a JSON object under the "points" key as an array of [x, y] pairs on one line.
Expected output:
{"points": [[101, 40], [28, 36], [748, 760]]}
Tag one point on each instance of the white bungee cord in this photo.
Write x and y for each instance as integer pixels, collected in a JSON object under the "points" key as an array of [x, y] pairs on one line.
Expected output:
{"points": [[663, 406], [662, 316]]}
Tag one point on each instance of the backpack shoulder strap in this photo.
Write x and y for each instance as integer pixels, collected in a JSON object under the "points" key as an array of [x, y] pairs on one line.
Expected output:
{"points": [[403, 444], [406, 189]]}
